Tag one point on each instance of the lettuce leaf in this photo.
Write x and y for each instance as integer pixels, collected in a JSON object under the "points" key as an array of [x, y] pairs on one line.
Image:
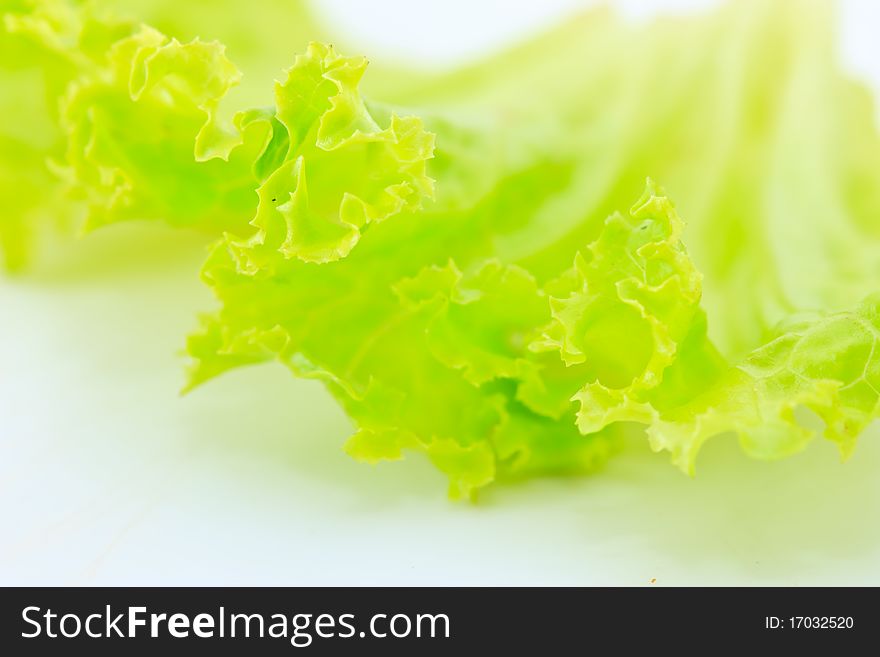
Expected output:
{"points": [[43, 46], [455, 263], [99, 115], [132, 126], [828, 363]]}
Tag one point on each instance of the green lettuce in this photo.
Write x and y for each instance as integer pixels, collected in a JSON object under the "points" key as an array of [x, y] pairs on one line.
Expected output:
{"points": [[474, 266], [43, 46]]}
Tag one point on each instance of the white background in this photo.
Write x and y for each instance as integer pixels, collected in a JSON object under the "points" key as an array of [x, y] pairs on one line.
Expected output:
{"points": [[108, 477]]}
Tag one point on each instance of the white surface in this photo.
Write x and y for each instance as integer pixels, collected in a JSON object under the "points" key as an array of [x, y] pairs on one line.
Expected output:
{"points": [[108, 477]]}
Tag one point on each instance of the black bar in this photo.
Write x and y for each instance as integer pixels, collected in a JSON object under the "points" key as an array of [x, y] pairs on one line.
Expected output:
{"points": [[522, 620]]}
